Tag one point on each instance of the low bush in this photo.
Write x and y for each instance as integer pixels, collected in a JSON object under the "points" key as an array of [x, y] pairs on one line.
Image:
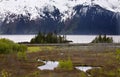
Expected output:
{"points": [[7, 46]]}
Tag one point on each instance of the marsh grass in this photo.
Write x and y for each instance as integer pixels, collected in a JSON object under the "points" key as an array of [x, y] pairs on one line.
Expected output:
{"points": [[21, 56], [33, 49], [40, 48]]}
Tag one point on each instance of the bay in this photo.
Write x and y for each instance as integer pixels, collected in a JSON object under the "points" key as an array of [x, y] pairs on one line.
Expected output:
{"points": [[74, 38]]}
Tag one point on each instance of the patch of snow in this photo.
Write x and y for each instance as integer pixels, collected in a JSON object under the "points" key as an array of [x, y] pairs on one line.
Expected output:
{"points": [[113, 5]]}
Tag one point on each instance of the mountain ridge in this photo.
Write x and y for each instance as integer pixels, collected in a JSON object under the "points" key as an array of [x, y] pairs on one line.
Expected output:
{"points": [[37, 7], [70, 16]]}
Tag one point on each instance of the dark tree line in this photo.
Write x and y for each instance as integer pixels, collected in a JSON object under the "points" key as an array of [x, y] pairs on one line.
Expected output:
{"points": [[103, 39], [48, 38]]}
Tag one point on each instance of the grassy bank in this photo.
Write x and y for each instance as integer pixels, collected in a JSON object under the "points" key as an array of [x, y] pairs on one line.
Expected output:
{"points": [[11, 66]]}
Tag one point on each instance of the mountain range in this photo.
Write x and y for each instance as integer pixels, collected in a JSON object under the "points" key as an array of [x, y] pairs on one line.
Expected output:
{"points": [[85, 17]]}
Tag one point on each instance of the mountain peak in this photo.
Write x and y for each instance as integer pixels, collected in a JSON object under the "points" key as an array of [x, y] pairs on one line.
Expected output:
{"points": [[63, 16], [36, 7]]}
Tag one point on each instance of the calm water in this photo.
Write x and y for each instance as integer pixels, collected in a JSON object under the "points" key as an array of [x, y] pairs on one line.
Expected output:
{"points": [[51, 65], [74, 38]]}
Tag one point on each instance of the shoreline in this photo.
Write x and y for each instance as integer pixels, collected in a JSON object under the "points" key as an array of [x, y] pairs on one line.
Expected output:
{"points": [[97, 47], [74, 44]]}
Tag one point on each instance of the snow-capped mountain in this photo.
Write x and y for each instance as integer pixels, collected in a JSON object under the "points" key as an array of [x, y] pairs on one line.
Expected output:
{"points": [[36, 7], [64, 16]]}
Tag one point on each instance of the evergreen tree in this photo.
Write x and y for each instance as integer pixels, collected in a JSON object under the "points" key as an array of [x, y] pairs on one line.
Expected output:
{"points": [[48, 38], [103, 39]]}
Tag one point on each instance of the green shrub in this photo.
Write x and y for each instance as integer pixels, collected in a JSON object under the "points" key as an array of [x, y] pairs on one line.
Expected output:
{"points": [[66, 65], [7, 46]]}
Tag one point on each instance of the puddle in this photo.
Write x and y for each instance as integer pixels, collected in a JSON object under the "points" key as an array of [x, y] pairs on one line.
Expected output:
{"points": [[84, 68], [49, 65]]}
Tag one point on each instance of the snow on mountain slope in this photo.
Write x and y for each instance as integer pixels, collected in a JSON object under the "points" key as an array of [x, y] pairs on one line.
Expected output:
{"points": [[36, 7], [113, 5]]}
